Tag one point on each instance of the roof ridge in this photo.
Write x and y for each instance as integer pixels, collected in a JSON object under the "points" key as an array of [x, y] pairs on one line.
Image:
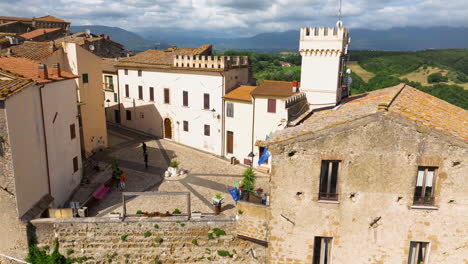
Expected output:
{"points": [[404, 85]]}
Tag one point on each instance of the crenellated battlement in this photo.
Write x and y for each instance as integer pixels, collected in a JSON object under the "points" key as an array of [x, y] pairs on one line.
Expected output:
{"points": [[323, 33], [210, 62]]}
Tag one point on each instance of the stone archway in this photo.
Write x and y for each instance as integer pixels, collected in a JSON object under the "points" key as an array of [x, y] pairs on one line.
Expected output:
{"points": [[167, 128]]}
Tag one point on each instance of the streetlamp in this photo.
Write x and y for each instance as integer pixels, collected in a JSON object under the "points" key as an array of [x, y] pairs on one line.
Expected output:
{"points": [[251, 156]]}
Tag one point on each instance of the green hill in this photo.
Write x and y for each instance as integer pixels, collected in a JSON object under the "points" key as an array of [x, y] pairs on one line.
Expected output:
{"points": [[374, 70]]}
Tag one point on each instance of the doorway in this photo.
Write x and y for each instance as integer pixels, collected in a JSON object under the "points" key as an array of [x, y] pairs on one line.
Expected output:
{"points": [[117, 116], [167, 128], [230, 142]]}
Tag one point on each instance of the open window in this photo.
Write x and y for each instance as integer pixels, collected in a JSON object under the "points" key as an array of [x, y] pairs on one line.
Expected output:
{"points": [[329, 180], [322, 250], [418, 253], [424, 190]]}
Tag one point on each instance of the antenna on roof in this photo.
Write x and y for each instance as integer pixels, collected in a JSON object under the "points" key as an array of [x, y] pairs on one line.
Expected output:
{"points": [[340, 22]]}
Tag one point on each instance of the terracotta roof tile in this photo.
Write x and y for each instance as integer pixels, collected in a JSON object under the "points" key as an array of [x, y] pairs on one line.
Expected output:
{"points": [[31, 50], [16, 18], [241, 93], [11, 83], [49, 18], [28, 69], [82, 38], [163, 57], [108, 65], [38, 32], [403, 100], [274, 88]]}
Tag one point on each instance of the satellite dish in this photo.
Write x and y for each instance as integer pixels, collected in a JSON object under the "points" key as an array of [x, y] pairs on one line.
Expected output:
{"points": [[91, 47], [348, 71], [88, 32]]}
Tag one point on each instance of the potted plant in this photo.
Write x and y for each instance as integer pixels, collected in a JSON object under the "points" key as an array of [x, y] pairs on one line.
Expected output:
{"points": [[248, 183], [217, 201], [173, 165]]}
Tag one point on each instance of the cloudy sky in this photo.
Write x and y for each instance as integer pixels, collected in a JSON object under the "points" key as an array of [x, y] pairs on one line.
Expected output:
{"points": [[245, 17]]}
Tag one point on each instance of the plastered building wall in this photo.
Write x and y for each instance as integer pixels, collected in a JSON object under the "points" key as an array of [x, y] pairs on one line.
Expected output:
{"points": [[109, 97], [60, 112], [379, 155], [77, 60], [241, 126]]}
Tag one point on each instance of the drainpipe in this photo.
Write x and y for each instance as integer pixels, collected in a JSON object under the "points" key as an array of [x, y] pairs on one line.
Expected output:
{"points": [[253, 127], [45, 138], [223, 120]]}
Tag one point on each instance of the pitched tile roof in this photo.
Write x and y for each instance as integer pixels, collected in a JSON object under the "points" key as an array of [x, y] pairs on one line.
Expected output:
{"points": [[38, 32], [49, 18], [241, 93], [401, 100], [31, 50], [108, 65], [274, 88], [162, 57], [11, 83], [16, 18], [81, 38], [28, 69]]}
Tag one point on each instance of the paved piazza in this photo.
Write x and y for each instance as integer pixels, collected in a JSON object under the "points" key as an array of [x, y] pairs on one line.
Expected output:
{"points": [[206, 175]]}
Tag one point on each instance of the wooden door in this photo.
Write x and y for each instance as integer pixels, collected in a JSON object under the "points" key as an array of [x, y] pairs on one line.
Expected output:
{"points": [[230, 142], [167, 128]]}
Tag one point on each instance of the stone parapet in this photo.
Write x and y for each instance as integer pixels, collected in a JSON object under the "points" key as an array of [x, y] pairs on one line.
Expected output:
{"points": [[253, 220], [210, 62]]}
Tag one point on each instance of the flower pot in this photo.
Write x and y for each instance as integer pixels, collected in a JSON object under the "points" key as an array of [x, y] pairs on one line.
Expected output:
{"points": [[217, 208]]}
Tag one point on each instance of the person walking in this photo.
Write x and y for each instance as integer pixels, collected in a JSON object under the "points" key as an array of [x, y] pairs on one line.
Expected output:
{"points": [[122, 181], [146, 159], [143, 146]]}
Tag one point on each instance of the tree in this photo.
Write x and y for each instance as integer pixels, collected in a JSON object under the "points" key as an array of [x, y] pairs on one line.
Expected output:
{"points": [[436, 77]]}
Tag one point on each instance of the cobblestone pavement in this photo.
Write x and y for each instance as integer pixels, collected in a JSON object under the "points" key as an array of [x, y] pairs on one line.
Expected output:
{"points": [[206, 176]]}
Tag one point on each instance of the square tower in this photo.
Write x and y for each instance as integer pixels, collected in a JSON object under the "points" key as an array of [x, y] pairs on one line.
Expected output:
{"points": [[323, 51]]}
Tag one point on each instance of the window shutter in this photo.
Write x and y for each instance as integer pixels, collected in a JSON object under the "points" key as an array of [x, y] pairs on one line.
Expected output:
{"points": [[140, 92], [185, 98], [271, 105], [151, 92], [127, 91], [206, 101]]}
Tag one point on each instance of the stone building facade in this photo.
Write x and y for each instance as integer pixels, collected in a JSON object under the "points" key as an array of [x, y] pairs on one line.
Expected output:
{"points": [[348, 184]]}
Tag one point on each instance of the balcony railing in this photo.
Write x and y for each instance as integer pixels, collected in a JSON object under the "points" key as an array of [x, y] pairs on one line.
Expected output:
{"points": [[427, 201], [328, 196]]}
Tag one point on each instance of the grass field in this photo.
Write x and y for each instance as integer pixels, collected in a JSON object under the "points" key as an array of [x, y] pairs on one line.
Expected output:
{"points": [[356, 68], [420, 75]]}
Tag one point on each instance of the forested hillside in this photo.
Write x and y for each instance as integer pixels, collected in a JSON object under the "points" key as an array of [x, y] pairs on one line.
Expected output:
{"points": [[442, 73]]}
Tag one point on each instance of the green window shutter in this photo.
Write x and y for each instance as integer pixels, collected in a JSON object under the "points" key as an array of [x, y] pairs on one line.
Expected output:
{"points": [[85, 78], [115, 97]]}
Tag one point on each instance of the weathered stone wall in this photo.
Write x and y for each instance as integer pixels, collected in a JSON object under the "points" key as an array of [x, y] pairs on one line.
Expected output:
{"points": [[380, 155], [182, 241], [10, 226], [253, 221]]}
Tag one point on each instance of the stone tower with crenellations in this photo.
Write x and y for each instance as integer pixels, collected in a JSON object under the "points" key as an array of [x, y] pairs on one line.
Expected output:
{"points": [[323, 52]]}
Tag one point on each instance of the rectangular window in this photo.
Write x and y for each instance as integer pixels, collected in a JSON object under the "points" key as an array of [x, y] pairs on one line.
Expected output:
{"points": [[126, 71], [230, 110], [207, 130], [185, 98], [260, 153], [85, 78], [329, 180], [206, 101], [322, 250], [186, 126], [129, 114], [116, 98], [109, 82], [72, 131], [424, 191], [139, 73], [75, 164], [151, 92], [127, 91], [271, 106], [140, 92], [166, 96], [418, 253]]}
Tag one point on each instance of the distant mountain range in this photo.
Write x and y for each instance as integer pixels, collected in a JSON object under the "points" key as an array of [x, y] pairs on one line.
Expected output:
{"points": [[410, 38]]}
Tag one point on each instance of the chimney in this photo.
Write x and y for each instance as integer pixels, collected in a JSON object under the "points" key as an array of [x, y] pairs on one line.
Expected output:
{"points": [[56, 70], [9, 52], [42, 71], [294, 86]]}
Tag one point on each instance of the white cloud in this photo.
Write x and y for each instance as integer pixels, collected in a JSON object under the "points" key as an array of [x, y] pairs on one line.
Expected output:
{"points": [[245, 17]]}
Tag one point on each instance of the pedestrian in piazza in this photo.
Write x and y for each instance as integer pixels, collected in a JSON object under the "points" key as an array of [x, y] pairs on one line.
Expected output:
{"points": [[143, 146], [122, 179], [146, 159]]}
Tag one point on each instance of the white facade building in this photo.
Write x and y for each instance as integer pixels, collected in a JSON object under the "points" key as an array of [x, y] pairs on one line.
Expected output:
{"points": [[255, 112], [110, 83], [177, 94]]}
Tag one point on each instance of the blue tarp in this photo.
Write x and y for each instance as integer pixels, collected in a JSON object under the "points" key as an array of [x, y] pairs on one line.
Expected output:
{"points": [[235, 194]]}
